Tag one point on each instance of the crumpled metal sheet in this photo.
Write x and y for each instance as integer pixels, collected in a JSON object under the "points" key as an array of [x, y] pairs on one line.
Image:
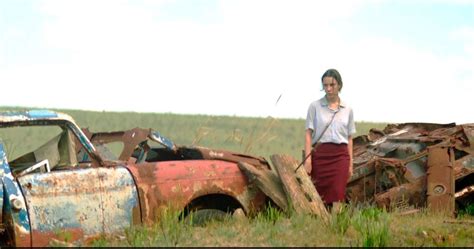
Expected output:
{"points": [[414, 164]]}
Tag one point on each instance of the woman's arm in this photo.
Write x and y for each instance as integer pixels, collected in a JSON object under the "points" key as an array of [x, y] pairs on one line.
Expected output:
{"points": [[307, 150], [350, 148]]}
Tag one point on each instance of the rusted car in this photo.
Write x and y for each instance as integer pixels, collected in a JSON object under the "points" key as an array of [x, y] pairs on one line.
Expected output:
{"points": [[68, 187], [415, 165]]}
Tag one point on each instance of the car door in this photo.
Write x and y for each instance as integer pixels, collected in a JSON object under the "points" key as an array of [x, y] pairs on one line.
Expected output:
{"points": [[119, 200], [63, 204]]}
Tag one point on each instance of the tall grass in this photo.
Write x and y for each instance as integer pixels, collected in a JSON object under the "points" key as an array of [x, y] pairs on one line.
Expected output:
{"points": [[340, 221], [373, 226], [168, 231], [353, 226], [370, 223], [270, 214], [468, 210]]}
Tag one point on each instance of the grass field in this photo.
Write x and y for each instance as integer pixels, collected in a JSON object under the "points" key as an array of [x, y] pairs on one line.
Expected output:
{"points": [[355, 226], [257, 136]]}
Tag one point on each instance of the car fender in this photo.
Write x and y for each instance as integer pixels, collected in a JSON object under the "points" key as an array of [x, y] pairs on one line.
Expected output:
{"points": [[174, 184]]}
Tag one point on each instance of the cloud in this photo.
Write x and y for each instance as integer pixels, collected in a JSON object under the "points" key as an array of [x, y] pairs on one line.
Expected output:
{"points": [[466, 36], [124, 56], [2, 55]]}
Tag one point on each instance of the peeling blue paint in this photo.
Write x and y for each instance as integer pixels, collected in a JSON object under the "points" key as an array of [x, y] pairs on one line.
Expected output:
{"points": [[62, 217], [66, 199], [91, 200], [11, 191], [121, 198], [31, 114]]}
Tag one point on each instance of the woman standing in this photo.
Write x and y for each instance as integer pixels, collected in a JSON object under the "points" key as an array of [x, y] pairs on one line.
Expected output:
{"points": [[329, 130]]}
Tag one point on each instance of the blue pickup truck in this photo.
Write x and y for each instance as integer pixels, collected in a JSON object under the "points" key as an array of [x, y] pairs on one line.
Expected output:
{"points": [[66, 185]]}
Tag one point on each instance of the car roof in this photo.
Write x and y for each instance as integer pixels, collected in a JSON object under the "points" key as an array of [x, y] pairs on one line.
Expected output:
{"points": [[33, 115]]}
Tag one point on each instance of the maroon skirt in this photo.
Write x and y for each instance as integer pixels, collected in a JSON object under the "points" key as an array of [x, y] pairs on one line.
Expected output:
{"points": [[330, 171]]}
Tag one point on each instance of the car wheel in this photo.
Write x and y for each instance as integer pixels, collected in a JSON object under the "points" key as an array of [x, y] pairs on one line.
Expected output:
{"points": [[202, 216]]}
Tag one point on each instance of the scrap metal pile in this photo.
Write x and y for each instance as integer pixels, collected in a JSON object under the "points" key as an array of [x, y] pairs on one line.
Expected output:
{"points": [[415, 165]]}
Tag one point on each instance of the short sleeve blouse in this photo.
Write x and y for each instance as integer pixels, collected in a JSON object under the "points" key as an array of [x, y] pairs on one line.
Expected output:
{"points": [[319, 115]]}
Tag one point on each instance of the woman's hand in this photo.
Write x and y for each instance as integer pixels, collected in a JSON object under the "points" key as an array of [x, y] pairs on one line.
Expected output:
{"points": [[307, 151], [307, 165]]}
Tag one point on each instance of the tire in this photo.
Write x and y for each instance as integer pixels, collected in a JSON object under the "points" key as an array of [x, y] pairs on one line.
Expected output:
{"points": [[203, 216]]}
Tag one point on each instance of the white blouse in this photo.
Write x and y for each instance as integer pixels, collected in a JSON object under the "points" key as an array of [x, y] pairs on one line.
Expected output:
{"points": [[319, 115]]}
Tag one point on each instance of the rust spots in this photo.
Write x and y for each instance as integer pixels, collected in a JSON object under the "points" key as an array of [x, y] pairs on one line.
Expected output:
{"points": [[150, 201], [22, 237], [44, 239], [146, 172], [403, 196]]}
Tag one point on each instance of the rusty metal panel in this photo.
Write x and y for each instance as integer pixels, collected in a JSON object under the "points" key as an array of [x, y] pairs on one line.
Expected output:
{"points": [[464, 167], [63, 203], [415, 170], [403, 196], [469, 132], [119, 199], [440, 180], [176, 183]]}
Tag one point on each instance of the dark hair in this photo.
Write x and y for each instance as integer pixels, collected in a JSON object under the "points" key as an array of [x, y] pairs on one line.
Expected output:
{"points": [[335, 75]]}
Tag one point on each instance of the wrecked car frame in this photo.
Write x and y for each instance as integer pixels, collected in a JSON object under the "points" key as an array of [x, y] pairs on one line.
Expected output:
{"points": [[66, 186]]}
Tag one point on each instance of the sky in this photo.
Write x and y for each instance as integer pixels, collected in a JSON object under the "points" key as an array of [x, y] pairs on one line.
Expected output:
{"points": [[400, 61]]}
